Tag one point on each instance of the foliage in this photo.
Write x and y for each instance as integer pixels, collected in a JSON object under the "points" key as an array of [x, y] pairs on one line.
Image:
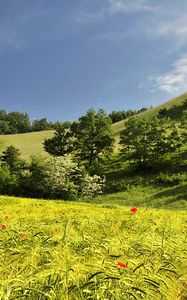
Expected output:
{"points": [[61, 142], [9, 182], [41, 124], [64, 179], [11, 157], [92, 135], [92, 185], [146, 141], [57, 177], [117, 116]]}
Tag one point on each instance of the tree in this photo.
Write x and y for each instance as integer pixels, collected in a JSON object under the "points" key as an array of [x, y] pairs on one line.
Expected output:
{"points": [[11, 157], [40, 125], [61, 143], [146, 141], [19, 122], [92, 135]]}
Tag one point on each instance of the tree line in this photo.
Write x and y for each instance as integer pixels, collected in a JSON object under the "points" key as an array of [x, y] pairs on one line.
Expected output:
{"points": [[18, 122]]}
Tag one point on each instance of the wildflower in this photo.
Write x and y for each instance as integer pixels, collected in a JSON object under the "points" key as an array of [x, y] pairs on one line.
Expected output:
{"points": [[146, 209], [3, 227], [154, 223], [134, 210], [122, 265]]}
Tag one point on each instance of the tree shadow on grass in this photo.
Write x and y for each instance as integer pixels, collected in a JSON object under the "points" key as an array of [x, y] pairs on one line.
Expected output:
{"points": [[176, 193]]}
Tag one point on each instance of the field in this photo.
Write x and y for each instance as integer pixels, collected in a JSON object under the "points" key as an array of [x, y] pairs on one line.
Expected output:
{"points": [[74, 250]]}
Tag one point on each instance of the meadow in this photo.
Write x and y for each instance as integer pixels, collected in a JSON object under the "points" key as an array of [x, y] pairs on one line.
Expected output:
{"points": [[75, 250]]}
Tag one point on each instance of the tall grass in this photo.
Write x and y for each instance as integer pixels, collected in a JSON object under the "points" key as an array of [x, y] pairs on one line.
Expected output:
{"points": [[63, 250]]}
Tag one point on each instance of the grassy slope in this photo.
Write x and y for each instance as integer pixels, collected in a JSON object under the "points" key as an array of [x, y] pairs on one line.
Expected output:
{"points": [[61, 250], [28, 143], [31, 143], [175, 106]]}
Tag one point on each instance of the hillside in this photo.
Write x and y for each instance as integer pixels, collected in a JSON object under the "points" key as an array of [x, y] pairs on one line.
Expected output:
{"points": [[174, 108], [31, 143], [28, 143]]}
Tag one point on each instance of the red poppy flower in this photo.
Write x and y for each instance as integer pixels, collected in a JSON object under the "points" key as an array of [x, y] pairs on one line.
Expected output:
{"points": [[134, 210], [3, 227], [122, 265]]}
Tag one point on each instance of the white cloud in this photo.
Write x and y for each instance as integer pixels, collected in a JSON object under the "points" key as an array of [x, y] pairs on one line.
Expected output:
{"points": [[85, 17], [113, 7], [174, 81], [123, 6]]}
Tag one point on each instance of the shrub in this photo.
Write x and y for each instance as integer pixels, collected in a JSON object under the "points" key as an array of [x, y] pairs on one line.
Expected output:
{"points": [[92, 185], [65, 179]]}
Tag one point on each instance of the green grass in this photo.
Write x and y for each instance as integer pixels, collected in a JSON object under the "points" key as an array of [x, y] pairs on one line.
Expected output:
{"points": [[69, 250], [28, 143]]}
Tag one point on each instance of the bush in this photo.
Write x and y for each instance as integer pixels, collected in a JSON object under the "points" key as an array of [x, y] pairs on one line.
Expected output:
{"points": [[66, 180], [9, 182], [92, 185]]}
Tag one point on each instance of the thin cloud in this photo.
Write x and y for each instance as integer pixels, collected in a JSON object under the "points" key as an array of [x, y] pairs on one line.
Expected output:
{"points": [[174, 81], [113, 7], [124, 6], [85, 17]]}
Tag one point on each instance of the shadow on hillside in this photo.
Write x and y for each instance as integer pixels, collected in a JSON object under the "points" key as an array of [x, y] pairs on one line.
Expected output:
{"points": [[177, 193], [175, 112]]}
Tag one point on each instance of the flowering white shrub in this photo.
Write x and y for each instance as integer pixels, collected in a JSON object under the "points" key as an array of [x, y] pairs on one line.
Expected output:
{"points": [[93, 185], [63, 178]]}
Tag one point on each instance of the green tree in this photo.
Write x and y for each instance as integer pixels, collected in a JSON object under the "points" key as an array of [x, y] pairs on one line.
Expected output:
{"points": [[11, 157], [19, 122], [61, 143], [41, 124], [146, 141], [92, 135]]}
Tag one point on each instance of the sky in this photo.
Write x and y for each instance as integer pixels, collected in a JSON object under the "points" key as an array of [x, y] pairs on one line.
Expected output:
{"points": [[58, 58]]}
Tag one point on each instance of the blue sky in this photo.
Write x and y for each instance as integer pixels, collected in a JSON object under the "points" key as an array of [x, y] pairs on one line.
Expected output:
{"points": [[58, 58]]}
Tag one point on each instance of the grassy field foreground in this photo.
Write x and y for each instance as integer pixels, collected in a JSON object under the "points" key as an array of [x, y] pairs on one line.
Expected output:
{"points": [[69, 250]]}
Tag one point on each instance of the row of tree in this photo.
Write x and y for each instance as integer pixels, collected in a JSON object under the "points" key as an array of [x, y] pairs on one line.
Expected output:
{"points": [[120, 115], [143, 141], [18, 122]]}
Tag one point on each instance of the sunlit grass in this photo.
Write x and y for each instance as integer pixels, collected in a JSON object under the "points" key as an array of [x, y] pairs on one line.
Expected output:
{"points": [[70, 250]]}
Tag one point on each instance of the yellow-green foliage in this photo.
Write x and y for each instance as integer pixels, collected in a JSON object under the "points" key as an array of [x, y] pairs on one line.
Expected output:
{"points": [[63, 250]]}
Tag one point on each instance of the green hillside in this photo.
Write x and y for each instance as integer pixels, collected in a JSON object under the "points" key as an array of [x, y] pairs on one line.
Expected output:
{"points": [[31, 143], [28, 143], [174, 108]]}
